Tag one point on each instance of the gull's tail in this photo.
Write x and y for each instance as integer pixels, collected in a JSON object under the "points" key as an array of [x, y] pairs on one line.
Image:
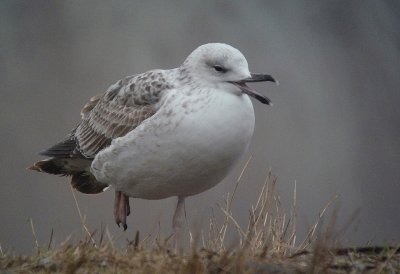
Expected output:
{"points": [[65, 162]]}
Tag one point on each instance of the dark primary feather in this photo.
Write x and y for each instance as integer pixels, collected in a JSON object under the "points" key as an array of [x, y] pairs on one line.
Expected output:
{"points": [[64, 149]]}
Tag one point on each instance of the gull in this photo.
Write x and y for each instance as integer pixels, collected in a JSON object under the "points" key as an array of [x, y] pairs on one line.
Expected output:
{"points": [[162, 133]]}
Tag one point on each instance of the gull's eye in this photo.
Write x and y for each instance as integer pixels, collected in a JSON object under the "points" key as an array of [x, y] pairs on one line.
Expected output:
{"points": [[220, 68]]}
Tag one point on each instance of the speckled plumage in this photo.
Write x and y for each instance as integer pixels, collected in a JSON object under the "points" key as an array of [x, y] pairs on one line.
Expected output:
{"points": [[121, 109], [162, 133]]}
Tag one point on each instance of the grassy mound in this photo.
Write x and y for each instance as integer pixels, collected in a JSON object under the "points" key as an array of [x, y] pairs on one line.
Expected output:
{"points": [[267, 245]]}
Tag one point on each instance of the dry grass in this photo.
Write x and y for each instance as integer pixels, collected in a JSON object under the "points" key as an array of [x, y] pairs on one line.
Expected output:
{"points": [[266, 245]]}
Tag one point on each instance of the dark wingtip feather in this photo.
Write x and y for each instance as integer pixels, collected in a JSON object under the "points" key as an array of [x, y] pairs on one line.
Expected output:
{"points": [[64, 149]]}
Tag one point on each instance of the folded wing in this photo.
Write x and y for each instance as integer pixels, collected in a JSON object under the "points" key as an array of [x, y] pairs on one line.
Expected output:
{"points": [[105, 117]]}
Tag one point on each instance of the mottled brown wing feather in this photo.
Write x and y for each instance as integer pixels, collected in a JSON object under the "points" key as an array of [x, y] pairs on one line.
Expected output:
{"points": [[91, 104], [107, 121], [112, 114], [105, 117], [121, 109]]}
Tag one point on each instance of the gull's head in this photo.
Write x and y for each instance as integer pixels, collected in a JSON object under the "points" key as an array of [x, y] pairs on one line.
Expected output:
{"points": [[223, 66]]}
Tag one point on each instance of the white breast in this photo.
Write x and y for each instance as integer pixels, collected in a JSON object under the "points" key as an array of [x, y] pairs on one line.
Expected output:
{"points": [[187, 147]]}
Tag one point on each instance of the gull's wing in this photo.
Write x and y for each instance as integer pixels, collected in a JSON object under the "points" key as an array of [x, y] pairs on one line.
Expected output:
{"points": [[107, 121], [113, 114], [105, 117]]}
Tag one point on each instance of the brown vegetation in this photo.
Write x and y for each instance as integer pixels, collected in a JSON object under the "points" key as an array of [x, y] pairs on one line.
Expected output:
{"points": [[267, 245]]}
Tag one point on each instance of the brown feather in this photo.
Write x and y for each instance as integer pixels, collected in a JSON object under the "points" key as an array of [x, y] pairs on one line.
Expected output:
{"points": [[107, 121], [105, 117]]}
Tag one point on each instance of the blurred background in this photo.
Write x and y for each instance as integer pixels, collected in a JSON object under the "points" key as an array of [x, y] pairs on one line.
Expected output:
{"points": [[334, 127]]}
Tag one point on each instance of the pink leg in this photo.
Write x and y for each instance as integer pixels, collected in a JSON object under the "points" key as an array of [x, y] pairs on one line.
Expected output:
{"points": [[128, 208], [121, 208], [177, 222]]}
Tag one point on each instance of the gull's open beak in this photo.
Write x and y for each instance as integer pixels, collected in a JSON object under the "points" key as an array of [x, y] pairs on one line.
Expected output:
{"points": [[255, 77]]}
